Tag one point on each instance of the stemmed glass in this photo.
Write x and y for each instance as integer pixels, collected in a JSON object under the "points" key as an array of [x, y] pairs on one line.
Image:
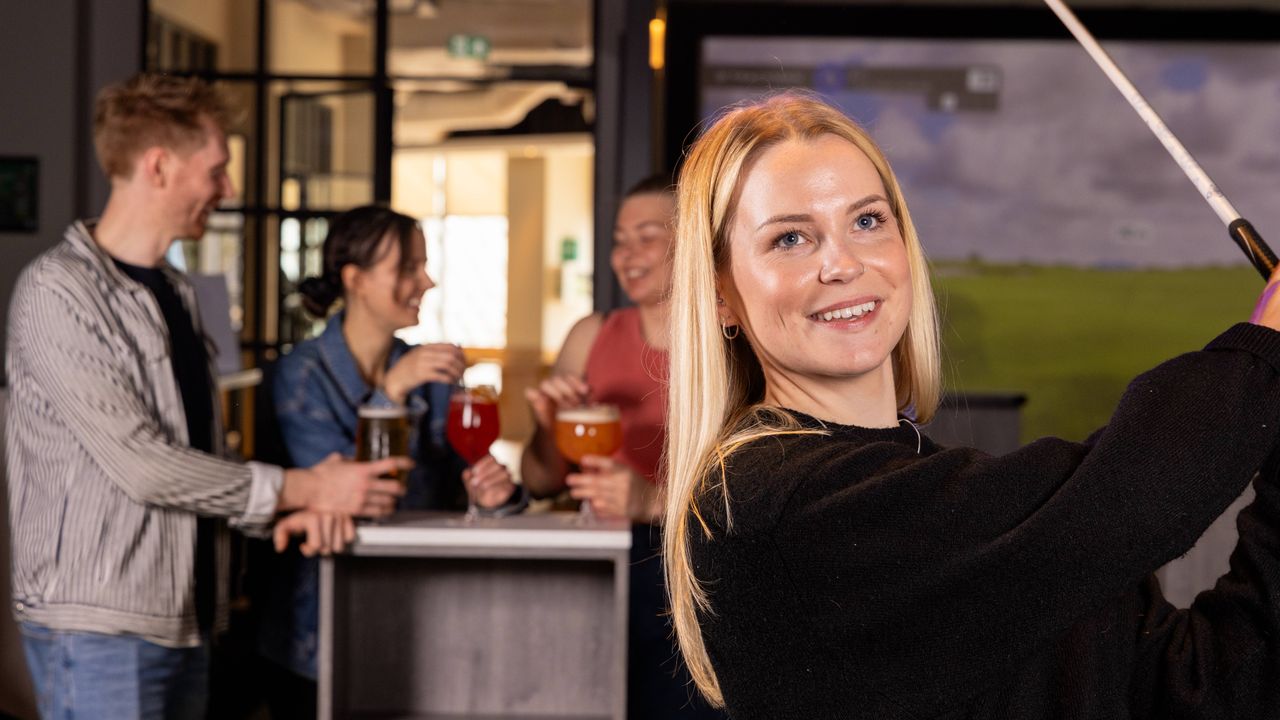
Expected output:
{"points": [[588, 430], [472, 426]]}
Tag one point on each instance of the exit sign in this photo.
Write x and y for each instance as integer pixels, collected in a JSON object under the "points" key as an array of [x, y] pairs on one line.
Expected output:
{"points": [[469, 46]]}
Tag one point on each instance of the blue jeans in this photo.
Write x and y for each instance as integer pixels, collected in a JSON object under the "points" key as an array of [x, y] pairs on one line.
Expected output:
{"points": [[81, 675]]}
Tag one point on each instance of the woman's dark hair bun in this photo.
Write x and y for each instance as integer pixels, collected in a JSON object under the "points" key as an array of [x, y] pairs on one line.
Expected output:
{"points": [[319, 294], [355, 238]]}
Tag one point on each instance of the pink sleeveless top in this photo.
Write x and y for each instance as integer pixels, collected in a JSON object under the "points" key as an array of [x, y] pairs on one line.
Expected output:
{"points": [[624, 370]]}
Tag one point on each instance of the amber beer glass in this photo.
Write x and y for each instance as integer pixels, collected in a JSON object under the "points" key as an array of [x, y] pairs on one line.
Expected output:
{"points": [[382, 432], [588, 430]]}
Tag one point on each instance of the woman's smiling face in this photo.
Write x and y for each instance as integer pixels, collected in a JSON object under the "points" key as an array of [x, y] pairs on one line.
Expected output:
{"points": [[818, 273], [641, 255]]}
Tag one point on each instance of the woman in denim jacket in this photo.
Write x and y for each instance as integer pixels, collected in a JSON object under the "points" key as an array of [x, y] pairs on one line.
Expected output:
{"points": [[375, 262]]}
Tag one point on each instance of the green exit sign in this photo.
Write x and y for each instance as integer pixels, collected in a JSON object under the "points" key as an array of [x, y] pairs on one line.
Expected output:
{"points": [[469, 46]]}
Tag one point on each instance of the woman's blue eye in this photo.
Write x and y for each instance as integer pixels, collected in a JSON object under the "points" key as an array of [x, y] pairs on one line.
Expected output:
{"points": [[788, 239], [868, 221]]}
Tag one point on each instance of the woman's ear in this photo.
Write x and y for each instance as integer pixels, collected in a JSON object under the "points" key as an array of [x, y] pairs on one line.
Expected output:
{"points": [[351, 278], [724, 309]]}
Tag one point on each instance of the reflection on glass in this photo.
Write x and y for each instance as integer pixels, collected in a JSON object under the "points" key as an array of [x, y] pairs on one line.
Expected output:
{"points": [[185, 36], [326, 147], [301, 256]]}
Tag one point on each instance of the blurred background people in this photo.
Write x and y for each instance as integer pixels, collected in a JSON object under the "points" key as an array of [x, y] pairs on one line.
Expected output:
{"points": [[119, 496], [620, 358], [375, 265]]}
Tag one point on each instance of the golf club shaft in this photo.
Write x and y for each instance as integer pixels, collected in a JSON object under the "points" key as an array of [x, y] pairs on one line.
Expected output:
{"points": [[1241, 231]]}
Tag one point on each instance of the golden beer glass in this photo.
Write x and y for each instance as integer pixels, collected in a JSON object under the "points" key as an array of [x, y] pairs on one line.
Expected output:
{"points": [[382, 432]]}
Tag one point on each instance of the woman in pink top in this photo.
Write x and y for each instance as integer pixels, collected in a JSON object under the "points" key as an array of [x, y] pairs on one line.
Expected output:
{"points": [[617, 358], [621, 358]]}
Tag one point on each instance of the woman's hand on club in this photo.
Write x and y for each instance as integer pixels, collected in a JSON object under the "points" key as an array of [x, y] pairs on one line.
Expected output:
{"points": [[1267, 311]]}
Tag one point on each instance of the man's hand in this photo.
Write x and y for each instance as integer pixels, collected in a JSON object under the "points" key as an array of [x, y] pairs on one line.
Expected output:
{"points": [[337, 485], [323, 533]]}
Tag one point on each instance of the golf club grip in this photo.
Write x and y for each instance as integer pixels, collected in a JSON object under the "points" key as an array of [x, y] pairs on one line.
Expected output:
{"points": [[1254, 247]]}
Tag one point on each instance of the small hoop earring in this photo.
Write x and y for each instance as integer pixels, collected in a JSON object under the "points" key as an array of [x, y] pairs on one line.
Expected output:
{"points": [[724, 330]]}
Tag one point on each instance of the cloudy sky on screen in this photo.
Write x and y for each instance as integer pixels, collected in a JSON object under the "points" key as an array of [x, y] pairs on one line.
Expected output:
{"points": [[1064, 171]]}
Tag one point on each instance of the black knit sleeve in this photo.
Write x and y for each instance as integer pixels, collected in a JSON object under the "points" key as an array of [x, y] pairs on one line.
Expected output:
{"points": [[965, 561], [1220, 657]]}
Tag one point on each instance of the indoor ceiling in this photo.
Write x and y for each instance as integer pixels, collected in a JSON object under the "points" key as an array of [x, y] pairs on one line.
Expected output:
{"points": [[537, 50], [1117, 4]]}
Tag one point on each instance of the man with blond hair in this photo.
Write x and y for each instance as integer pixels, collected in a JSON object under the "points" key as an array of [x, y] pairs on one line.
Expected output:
{"points": [[119, 496]]}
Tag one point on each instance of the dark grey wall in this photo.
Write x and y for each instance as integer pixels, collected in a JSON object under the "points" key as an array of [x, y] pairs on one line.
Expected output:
{"points": [[38, 84], [55, 55], [626, 146]]}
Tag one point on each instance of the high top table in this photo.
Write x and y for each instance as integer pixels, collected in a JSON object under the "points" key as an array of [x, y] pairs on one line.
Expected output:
{"points": [[520, 617]]}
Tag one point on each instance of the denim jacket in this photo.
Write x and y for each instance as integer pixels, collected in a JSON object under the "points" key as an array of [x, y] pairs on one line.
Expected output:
{"points": [[317, 390]]}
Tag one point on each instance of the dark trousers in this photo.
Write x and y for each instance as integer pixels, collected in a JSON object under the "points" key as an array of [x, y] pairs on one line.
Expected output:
{"points": [[290, 696], [658, 685]]}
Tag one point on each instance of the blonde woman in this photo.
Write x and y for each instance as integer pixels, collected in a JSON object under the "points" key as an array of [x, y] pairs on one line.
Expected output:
{"points": [[827, 560]]}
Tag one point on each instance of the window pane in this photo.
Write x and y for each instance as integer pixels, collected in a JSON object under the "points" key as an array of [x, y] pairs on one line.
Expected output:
{"points": [[325, 155], [320, 37], [198, 35], [242, 140], [301, 243], [467, 257]]}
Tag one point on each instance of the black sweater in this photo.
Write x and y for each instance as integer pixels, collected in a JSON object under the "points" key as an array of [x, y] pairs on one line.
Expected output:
{"points": [[860, 579]]}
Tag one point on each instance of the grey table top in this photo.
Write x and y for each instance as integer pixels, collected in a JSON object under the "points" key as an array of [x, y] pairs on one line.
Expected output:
{"points": [[433, 532]]}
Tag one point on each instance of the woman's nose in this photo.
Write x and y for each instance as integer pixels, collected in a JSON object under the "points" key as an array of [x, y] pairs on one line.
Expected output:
{"points": [[840, 263]]}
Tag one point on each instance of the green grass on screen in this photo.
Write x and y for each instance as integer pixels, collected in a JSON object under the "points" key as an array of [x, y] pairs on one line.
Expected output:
{"points": [[1071, 339]]}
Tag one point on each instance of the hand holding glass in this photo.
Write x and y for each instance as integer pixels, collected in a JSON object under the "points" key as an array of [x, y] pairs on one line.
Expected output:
{"points": [[588, 430], [472, 427], [382, 432]]}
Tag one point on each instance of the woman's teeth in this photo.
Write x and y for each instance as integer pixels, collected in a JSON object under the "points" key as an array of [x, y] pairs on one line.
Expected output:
{"points": [[635, 273], [847, 313]]}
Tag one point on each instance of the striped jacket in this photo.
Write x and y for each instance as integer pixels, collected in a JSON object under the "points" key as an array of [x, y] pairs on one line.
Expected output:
{"points": [[103, 487]]}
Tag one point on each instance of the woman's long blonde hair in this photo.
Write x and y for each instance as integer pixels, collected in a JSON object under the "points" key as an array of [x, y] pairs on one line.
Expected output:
{"points": [[717, 384]]}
